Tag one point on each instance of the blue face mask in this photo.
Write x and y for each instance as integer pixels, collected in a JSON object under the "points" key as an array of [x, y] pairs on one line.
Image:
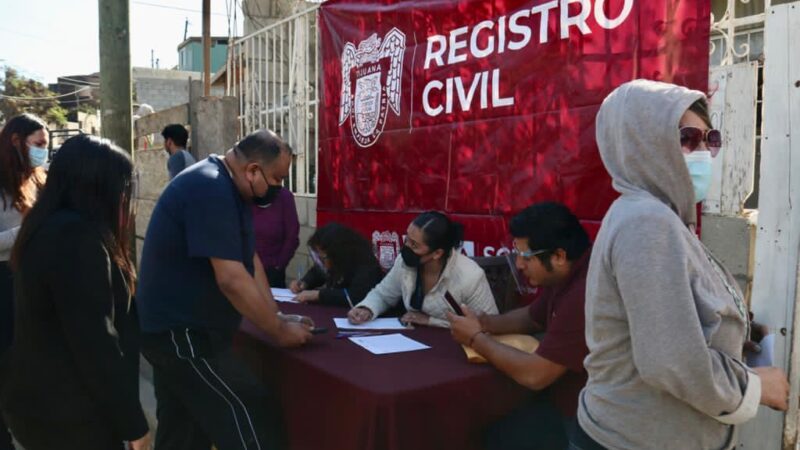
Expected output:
{"points": [[37, 155], [699, 164]]}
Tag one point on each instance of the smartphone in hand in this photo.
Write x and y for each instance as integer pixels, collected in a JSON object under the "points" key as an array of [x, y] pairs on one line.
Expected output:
{"points": [[453, 303]]}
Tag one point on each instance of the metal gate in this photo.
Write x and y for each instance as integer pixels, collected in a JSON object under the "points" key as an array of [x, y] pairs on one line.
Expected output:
{"points": [[274, 72]]}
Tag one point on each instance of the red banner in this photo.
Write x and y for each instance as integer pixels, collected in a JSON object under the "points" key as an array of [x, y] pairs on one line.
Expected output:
{"points": [[480, 108]]}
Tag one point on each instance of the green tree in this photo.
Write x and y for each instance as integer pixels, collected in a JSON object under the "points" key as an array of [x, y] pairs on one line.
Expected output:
{"points": [[20, 95]]}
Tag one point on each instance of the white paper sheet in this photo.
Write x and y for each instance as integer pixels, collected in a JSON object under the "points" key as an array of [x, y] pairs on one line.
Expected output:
{"points": [[283, 295], [388, 343], [386, 323], [765, 358]]}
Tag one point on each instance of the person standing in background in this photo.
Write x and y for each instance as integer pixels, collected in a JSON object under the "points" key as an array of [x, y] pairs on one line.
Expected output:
{"points": [[277, 235], [175, 139], [23, 152]]}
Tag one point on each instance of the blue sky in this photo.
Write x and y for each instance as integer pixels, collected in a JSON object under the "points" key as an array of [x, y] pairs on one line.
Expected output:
{"points": [[44, 39]]}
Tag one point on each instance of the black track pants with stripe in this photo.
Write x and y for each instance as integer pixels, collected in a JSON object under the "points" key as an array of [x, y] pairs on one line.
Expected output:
{"points": [[206, 395]]}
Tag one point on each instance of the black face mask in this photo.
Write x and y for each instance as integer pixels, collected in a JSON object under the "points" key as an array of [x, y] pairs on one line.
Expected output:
{"points": [[268, 197], [409, 257], [265, 200]]}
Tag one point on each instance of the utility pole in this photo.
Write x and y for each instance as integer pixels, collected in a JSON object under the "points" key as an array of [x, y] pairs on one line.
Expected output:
{"points": [[116, 103], [206, 48], [185, 29], [115, 72]]}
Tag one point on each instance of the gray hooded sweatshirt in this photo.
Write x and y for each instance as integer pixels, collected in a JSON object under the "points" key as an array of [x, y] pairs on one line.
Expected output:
{"points": [[665, 322]]}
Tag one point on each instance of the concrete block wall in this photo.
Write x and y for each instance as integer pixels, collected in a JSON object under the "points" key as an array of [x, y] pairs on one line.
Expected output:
{"points": [[162, 89], [732, 241], [153, 178], [307, 216], [217, 125]]}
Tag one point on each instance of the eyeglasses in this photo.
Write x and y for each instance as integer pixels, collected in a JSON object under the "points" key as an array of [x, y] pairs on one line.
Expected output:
{"points": [[528, 254], [318, 259], [691, 137]]}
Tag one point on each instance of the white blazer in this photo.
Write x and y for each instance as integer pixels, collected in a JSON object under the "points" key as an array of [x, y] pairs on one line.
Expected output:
{"points": [[462, 276]]}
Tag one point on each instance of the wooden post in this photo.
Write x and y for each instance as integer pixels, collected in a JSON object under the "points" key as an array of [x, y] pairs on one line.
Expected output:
{"points": [[206, 48], [116, 102]]}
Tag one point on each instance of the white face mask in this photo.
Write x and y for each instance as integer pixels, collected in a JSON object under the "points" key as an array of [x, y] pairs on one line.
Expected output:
{"points": [[699, 164]]}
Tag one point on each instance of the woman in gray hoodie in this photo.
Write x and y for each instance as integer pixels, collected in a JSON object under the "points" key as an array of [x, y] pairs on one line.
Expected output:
{"points": [[665, 321]]}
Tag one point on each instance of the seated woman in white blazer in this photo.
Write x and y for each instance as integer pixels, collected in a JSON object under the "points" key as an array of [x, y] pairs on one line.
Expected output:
{"points": [[429, 266]]}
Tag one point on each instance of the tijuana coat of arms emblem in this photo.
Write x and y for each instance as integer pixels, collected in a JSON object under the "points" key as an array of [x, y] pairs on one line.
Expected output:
{"points": [[371, 84]]}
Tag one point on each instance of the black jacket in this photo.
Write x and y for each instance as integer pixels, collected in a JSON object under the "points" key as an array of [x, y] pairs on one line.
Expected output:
{"points": [[75, 353], [358, 283]]}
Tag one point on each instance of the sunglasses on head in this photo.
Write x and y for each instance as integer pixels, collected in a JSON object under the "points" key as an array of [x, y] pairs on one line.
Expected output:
{"points": [[691, 137]]}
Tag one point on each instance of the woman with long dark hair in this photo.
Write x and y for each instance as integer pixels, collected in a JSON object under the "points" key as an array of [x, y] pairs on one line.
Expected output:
{"points": [[430, 269], [345, 268], [23, 150], [72, 381]]}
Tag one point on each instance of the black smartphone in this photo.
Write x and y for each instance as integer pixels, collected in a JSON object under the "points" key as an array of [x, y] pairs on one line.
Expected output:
{"points": [[319, 330], [453, 303]]}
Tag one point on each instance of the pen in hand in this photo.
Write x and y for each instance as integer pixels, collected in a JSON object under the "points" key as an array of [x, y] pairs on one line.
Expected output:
{"points": [[347, 296], [348, 334]]}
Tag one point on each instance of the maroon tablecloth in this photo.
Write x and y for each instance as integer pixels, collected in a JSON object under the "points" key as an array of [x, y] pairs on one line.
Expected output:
{"points": [[337, 395]]}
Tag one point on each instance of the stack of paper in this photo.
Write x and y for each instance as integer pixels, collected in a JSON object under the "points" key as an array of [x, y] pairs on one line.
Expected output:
{"points": [[386, 323], [283, 295], [388, 343], [765, 358]]}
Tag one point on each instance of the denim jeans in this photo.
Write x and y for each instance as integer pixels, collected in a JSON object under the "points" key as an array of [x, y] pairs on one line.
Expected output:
{"points": [[537, 425], [579, 440]]}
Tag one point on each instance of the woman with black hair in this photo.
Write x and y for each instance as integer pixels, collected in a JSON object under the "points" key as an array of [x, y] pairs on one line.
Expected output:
{"points": [[73, 378], [345, 268], [430, 268], [23, 150]]}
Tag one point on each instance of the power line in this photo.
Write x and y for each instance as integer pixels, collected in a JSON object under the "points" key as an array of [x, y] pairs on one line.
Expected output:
{"points": [[11, 97], [32, 36], [86, 83], [176, 8]]}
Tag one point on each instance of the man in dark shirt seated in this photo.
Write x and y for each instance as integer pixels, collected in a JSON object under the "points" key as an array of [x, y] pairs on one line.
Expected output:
{"points": [[552, 250]]}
